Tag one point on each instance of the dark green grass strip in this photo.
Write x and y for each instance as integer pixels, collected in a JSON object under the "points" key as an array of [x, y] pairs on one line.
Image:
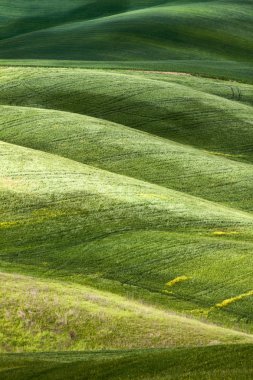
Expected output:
{"points": [[242, 72], [219, 363]]}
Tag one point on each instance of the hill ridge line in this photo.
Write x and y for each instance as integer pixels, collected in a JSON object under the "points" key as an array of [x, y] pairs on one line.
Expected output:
{"points": [[180, 193], [168, 312], [164, 139], [161, 82], [77, 22], [102, 18], [109, 17], [183, 85], [130, 129]]}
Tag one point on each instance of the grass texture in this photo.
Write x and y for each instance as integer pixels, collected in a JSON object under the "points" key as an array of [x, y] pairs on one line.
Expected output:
{"points": [[47, 315], [109, 30], [126, 209], [228, 70], [233, 362], [131, 182]]}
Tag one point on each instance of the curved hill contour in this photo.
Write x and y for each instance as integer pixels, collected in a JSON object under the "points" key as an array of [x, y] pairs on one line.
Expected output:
{"points": [[112, 30], [135, 179], [163, 108], [97, 223], [130, 152], [126, 182]]}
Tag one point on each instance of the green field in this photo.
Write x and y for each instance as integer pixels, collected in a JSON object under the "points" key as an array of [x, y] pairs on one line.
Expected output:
{"points": [[126, 189], [127, 30], [221, 362]]}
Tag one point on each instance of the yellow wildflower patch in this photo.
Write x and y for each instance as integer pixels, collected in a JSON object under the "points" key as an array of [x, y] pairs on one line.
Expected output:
{"points": [[177, 280], [7, 224], [229, 301], [224, 233], [167, 291]]}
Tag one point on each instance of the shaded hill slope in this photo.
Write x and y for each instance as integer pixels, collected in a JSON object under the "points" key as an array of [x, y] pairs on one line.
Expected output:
{"points": [[220, 30], [228, 70], [162, 108], [126, 197], [61, 217], [231, 362], [130, 152], [19, 17]]}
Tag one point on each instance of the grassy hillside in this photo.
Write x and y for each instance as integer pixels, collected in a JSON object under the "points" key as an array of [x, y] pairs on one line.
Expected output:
{"points": [[126, 178], [163, 108], [20, 17], [61, 217], [128, 30], [228, 70], [220, 362], [126, 151], [121, 199], [56, 316]]}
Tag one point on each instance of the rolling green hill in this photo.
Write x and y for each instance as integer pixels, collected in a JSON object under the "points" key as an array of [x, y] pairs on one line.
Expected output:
{"points": [[163, 108], [130, 207], [228, 70], [51, 315], [126, 151], [126, 183], [125, 30], [94, 223], [181, 364]]}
